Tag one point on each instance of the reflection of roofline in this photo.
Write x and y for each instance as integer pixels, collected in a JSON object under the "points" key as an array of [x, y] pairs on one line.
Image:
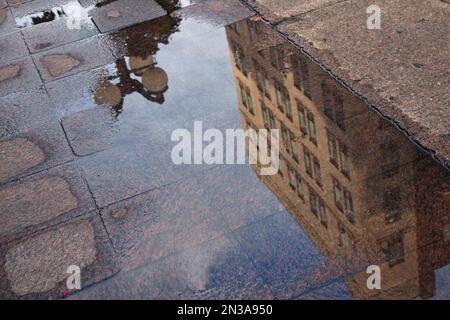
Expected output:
{"points": [[348, 63]]}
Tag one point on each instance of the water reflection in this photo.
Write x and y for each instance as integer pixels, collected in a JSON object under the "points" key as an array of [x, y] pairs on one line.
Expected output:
{"points": [[137, 70], [357, 186]]}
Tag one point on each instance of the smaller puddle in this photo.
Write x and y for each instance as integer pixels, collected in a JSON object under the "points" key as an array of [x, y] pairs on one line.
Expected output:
{"points": [[172, 5], [40, 17], [71, 11], [104, 3]]}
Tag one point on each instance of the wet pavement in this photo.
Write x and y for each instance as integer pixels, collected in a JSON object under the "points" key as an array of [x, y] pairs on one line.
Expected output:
{"points": [[86, 176]]}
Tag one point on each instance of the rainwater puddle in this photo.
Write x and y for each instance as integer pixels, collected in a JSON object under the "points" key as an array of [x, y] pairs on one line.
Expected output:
{"points": [[72, 10], [351, 191]]}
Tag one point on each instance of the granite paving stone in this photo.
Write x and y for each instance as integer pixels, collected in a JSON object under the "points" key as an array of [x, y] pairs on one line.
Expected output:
{"points": [[32, 151], [22, 8], [121, 13], [19, 76], [216, 12], [12, 47], [285, 257], [16, 2], [7, 23], [159, 223], [56, 33], [217, 269], [35, 266], [73, 58], [43, 199], [132, 168], [24, 111]]}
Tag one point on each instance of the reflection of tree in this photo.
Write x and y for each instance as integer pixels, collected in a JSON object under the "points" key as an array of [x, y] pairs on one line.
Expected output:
{"points": [[137, 70]]}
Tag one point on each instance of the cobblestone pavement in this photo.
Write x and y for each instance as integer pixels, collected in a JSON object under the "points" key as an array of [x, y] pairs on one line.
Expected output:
{"points": [[87, 109]]}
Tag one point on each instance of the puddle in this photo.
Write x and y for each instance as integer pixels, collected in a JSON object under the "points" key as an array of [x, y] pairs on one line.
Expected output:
{"points": [[352, 190], [353, 182], [138, 70], [40, 17], [70, 11], [172, 5]]}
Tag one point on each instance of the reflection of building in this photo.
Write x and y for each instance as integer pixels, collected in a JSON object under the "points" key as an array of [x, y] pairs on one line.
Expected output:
{"points": [[137, 70], [357, 186]]}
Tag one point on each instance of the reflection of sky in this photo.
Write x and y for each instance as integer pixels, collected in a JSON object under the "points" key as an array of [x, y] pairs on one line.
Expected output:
{"points": [[442, 283]]}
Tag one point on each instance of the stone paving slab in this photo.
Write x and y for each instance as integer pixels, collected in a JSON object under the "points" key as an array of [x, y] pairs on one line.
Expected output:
{"points": [[19, 76], [33, 151], [44, 199], [396, 68], [279, 10], [159, 223], [83, 86], [286, 258], [22, 9], [335, 291], [238, 195], [16, 2], [73, 58], [7, 23], [24, 111], [217, 12], [122, 13], [131, 169], [12, 47], [56, 33], [217, 269], [34, 266], [91, 131], [88, 3], [135, 41]]}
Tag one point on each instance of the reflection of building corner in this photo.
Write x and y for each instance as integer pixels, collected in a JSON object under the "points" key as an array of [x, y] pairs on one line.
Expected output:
{"points": [[350, 179]]}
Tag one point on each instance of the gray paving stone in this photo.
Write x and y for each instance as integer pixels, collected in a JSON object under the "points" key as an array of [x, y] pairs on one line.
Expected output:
{"points": [[56, 33], [123, 13], [23, 111], [34, 202], [35, 266], [19, 76], [7, 23], [25, 8], [17, 2], [12, 46], [33, 151], [73, 58], [277, 10]]}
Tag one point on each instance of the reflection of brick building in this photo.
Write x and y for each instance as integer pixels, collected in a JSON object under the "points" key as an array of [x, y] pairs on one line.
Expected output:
{"points": [[349, 178]]}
